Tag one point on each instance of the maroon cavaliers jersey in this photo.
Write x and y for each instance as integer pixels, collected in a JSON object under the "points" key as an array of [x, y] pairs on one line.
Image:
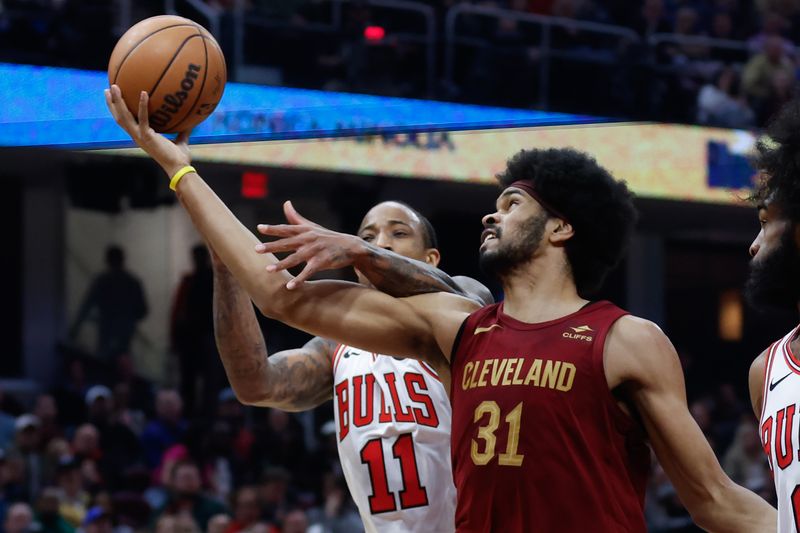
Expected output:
{"points": [[538, 441]]}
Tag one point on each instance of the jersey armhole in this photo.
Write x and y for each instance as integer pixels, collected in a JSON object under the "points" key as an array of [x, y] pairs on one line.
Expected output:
{"points": [[623, 421], [457, 342], [335, 357]]}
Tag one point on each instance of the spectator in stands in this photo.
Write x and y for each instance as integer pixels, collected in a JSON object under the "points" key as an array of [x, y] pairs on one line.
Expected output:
{"points": [[192, 334], [133, 419], [295, 521], [280, 440], [117, 299], [97, 520], [219, 523], [46, 411], [177, 523], [773, 28], [338, 513], [121, 448], [169, 427], [745, 462], [246, 510], [28, 448], [765, 78], [86, 442], [186, 496], [47, 513], [70, 393], [73, 498], [19, 519], [274, 494], [721, 104]]}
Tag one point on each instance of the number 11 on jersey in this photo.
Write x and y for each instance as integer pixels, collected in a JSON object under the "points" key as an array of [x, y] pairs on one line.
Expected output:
{"points": [[413, 493]]}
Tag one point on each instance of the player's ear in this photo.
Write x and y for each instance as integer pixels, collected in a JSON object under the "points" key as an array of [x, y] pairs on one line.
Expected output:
{"points": [[432, 256], [561, 232]]}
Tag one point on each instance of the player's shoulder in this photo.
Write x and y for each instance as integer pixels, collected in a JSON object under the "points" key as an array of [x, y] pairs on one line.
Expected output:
{"points": [[638, 350], [756, 378], [631, 331]]}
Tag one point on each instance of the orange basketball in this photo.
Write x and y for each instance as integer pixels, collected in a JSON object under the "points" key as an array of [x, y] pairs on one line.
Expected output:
{"points": [[178, 63]]}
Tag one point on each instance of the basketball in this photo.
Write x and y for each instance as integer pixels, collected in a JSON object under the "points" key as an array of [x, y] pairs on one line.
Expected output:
{"points": [[178, 63]]}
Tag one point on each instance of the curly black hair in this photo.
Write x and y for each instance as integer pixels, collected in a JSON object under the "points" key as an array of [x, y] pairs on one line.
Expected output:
{"points": [[777, 160], [599, 207]]}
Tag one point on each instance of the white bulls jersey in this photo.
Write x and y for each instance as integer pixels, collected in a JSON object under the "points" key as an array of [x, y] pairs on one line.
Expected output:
{"points": [[779, 425], [393, 430]]}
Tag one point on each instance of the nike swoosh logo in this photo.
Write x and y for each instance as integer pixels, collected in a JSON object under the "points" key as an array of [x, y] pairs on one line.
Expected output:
{"points": [[775, 383], [484, 330]]}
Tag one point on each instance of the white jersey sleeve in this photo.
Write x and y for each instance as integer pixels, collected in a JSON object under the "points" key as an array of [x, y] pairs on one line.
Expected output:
{"points": [[393, 432]]}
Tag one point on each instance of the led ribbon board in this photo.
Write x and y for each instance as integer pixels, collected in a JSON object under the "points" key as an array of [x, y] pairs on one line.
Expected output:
{"points": [[47, 106]]}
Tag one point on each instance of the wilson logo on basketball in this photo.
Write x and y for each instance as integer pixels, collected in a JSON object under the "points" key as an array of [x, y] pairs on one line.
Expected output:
{"points": [[173, 102], [578, 333]]}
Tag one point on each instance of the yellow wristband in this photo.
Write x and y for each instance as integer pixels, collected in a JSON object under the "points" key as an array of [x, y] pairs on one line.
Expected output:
{"points": [[179, 174]]}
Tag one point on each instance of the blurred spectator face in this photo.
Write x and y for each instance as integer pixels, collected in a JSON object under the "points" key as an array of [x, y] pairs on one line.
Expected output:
{"points": [[47, 506], [295, 522], [275, 486], [46, 408], [70, 480], [722, 26], [247, 510], [169, 406], [782, 84], [186, 480], [19, 518], [726, 80], [685, 21], [218, 524], [773, 49], [181, 523], [86, 441], [102, 525], [28, 434]]}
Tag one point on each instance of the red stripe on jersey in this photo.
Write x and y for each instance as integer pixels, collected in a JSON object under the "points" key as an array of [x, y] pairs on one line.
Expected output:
{"points": [[429, 370], [767, 371], [791, 360], [336, 356]]}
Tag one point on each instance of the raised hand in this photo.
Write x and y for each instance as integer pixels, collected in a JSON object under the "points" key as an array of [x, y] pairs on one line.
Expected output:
{"points": [[172, 156], [318, 247]]}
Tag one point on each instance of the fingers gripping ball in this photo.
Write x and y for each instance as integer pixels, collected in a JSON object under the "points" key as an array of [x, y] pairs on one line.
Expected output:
{"points": [[178, 63]]}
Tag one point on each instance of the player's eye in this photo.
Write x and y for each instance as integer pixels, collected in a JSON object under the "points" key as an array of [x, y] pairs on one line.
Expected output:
{"points": [[368, 238], [400, 234]]}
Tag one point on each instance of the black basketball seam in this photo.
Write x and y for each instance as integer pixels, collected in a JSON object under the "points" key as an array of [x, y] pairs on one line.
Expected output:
{"points": [[171, 61], [203, 84], [143, 39]]}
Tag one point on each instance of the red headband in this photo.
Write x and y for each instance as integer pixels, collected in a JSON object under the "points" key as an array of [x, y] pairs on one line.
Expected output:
{"points": [[528, 188]]}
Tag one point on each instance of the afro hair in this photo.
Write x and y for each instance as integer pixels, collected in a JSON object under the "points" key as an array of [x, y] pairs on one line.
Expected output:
{"points": [[599, 208]]}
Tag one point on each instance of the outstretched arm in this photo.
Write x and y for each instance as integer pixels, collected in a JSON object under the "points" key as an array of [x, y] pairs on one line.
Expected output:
{"points": [[291, 380], [423, 327], [641, 358], [322, 249]]}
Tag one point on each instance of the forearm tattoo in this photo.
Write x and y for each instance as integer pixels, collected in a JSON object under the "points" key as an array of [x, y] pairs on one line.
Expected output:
{"points": [[292, 380], [400, 276]]}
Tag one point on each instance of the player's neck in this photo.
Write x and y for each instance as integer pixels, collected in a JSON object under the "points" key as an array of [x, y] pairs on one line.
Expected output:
{"points": [[538, 294]]}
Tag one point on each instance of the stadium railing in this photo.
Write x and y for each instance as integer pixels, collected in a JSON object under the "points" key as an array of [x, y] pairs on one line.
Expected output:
{"points": [[546, 51]]}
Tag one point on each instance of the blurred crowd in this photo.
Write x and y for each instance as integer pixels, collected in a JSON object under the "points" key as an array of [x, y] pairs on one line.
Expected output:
{"points": [[654, 71], [106, 450]]}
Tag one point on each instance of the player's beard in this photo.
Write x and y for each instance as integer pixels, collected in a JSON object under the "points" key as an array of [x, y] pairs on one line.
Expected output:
{"points": [[513, 250], [774, 282]]}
